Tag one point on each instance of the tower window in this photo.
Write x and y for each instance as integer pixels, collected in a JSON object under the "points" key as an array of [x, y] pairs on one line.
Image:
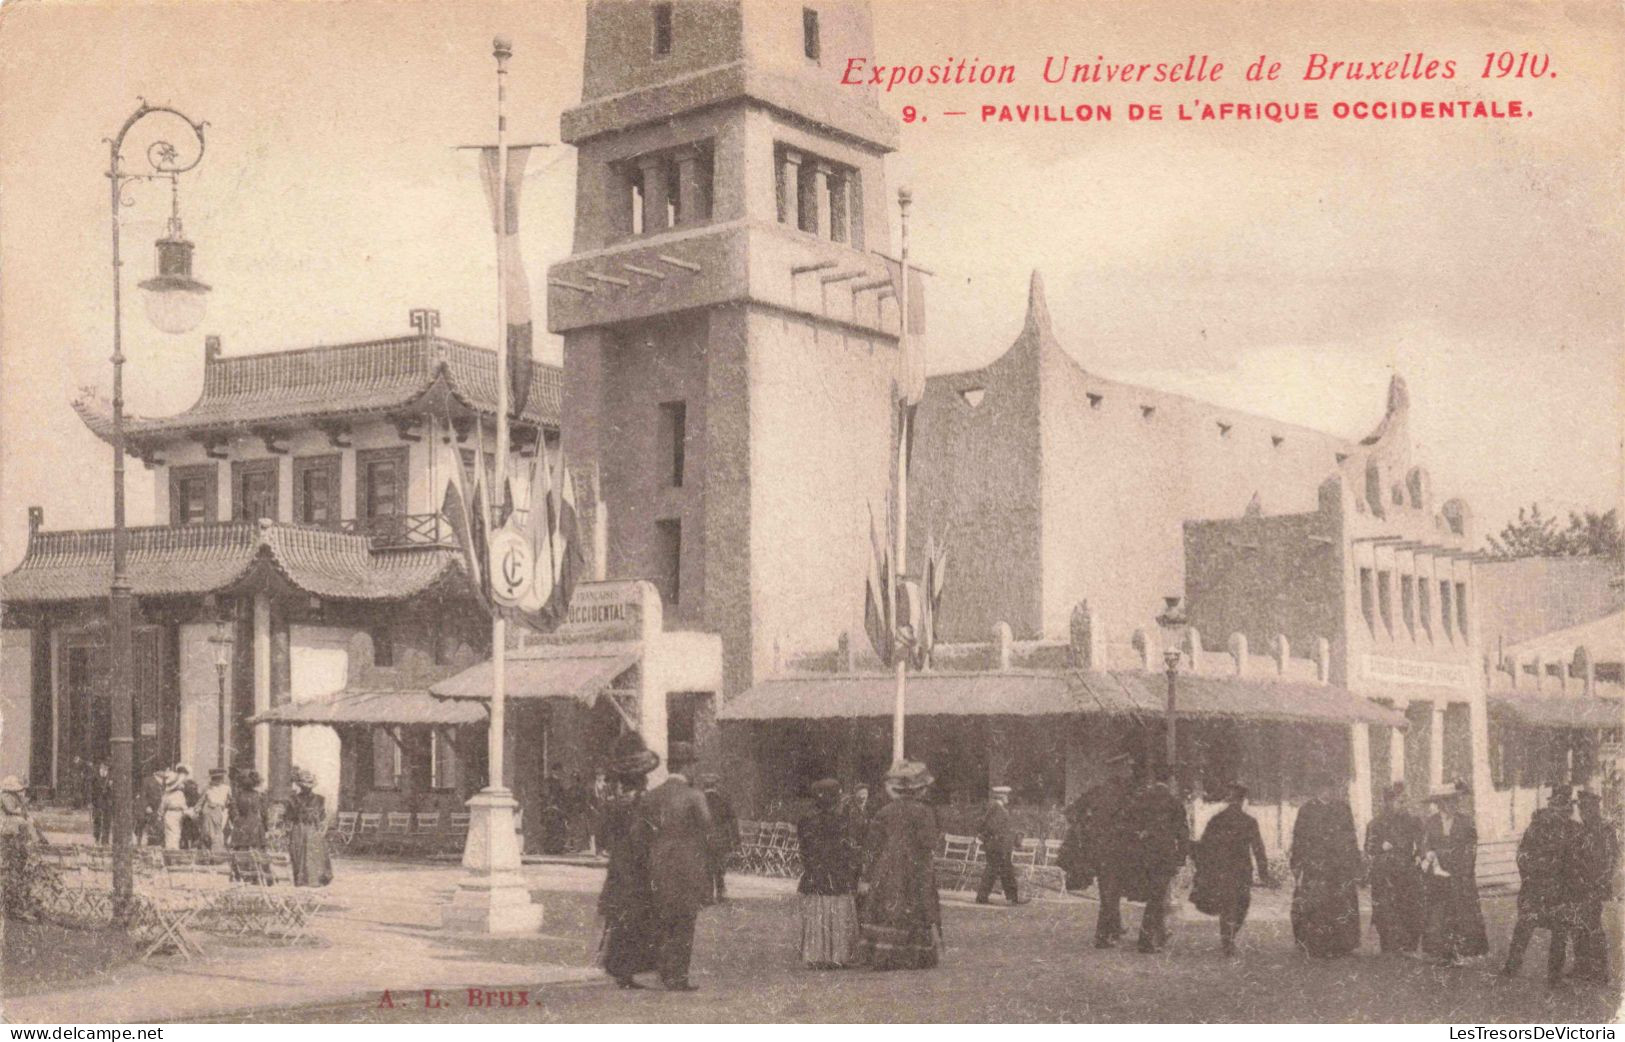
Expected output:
{"points": [[669, 559], [192, 498], [1385, 601], [818, 196], [662, 30], [673, 433], [1444, 606], [254, 489], [1461, 609], [1368, 606], [1407, 603], [809, 32]]}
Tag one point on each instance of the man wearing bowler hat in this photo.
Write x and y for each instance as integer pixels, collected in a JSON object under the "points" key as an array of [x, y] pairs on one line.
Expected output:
{"points": [[679, 864], [1546, 892]]}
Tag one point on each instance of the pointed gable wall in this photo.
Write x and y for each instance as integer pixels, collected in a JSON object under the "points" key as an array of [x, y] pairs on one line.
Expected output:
{"points": [[975, 478]]}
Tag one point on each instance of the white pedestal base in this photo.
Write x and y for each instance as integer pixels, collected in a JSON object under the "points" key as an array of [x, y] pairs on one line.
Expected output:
{"points": [[491, 897]]}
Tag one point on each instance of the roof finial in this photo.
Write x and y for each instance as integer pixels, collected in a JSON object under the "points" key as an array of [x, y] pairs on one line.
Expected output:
{"points": [[1037, 309]]}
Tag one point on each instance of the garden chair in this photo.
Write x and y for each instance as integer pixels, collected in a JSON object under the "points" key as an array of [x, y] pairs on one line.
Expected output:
{"points": [[342, 831]]}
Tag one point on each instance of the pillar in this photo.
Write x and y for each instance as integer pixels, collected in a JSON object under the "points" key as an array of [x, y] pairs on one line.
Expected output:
{"points": [[1436, 747], [281, 693], [821, 201], [654, 194], [689, 204], [1360, 780], [1396, 756], [1489, 824], [840, 208], [262, 682], [790, 187]]}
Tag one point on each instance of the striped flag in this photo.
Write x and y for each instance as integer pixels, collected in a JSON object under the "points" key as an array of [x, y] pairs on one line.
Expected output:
{"points": [[879, 603], [552, 527], [515, 289], [463, 507]]}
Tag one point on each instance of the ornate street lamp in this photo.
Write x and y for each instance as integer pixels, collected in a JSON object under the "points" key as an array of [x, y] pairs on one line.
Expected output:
{"points": [[1172, 622], [222, 643], [174, 278]]}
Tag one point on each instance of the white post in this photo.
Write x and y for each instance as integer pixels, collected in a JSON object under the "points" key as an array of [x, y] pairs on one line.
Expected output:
{"points": [[901, 535], [492, 897]]}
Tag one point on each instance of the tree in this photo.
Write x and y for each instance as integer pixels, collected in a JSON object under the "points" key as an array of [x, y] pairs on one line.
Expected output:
{"points": [[1589, 534]]}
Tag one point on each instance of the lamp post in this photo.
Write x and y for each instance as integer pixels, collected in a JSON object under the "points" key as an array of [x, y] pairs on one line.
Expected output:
{"points": [[175, 304], [1172, 622], [222, 643]]}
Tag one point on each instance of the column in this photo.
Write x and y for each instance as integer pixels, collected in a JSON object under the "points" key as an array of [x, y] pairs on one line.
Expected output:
{"points": [[821, 201], [1360, 779], [1396, 755], [790, 187], [1436, 747], [262, 682], [1488, 823], [281, 692], [654, 194], [689, 200], [840, 207]]}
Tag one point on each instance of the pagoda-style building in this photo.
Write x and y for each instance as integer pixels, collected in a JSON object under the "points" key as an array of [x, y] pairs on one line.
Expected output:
{"points": [[301, 548]]}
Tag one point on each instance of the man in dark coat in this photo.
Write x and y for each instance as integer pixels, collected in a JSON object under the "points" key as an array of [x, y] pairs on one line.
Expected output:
{"points": [[998, 838], [1231, 844], [101, 803], [679, 864], [1393, 842], [1106, 842], [1325, 858], [1162, 842], [724, 832], [152, 806], [1546, 894], [1596, 862]]}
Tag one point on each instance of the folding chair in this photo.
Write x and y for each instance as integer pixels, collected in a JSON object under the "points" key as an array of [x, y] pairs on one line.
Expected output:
{"points": [[397, 831], [745, 859], [954, 861], [293, 908], [342, 831], [368, 827], [164, 911], [1024, 859]]}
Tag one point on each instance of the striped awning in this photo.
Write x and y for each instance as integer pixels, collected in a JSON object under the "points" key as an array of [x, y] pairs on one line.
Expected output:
{"points": [[1586, 713], [552, 672], [410, 707], [1051, 693]]}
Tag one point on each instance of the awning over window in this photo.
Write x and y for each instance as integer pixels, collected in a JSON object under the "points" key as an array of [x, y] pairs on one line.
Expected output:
{"points": [[553, 671], [1555, 711], [1049, 693], [376, 707]]}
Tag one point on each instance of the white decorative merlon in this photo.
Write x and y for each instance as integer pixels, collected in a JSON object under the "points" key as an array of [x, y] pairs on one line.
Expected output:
{"points": [[1283, 652], [1193, 650], [1238, 652], [1323, 660], [1001, 643]]}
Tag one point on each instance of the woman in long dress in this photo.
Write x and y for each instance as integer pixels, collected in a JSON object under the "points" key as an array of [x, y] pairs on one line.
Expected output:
{"points": [[214, 811], [307, 832], [630, 941], [902, 921], [1393, 842], [1325, 860], [173, 808], [1454, 924], [829, 881]]}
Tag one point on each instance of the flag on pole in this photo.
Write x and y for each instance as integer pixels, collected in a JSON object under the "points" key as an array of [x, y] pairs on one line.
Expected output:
{"points": [[464, 510], [911, 352], [515, 289], [553, 531], [879, 603]]}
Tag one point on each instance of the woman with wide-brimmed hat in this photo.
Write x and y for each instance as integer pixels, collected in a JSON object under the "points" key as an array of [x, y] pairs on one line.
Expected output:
{"points": [[307, 831], [628, 941], [1454, 923], [829, 881], [901, 926]]}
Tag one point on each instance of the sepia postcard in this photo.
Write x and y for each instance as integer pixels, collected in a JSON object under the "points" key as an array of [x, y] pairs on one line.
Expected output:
{"points": [[812, 511]]}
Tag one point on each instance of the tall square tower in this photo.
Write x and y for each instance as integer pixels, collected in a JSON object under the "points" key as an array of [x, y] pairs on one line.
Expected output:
{"points": [[730, 331]]}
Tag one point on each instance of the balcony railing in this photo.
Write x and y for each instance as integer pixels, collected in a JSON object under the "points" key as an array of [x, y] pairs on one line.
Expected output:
{"points": [[394, 531]]}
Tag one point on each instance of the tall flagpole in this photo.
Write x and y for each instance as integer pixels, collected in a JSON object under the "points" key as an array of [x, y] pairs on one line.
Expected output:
{"points": [[502, 49], [492, 897], [904, 197]]}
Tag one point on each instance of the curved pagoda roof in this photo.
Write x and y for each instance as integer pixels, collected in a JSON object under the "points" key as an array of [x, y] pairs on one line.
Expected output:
{"points": [[188, 560], [377, 378]]}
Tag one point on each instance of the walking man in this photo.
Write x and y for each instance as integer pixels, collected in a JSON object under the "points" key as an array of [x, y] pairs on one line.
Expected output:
{"points": [[1107, 842], [724, 833], [1597, 860], [998, 841], [1547, 894], [1163, 841], [1230, 846], [679, 864]]}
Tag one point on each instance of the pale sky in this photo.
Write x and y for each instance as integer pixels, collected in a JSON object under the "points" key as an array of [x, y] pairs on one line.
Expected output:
{"points": [[1286, 270]]}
